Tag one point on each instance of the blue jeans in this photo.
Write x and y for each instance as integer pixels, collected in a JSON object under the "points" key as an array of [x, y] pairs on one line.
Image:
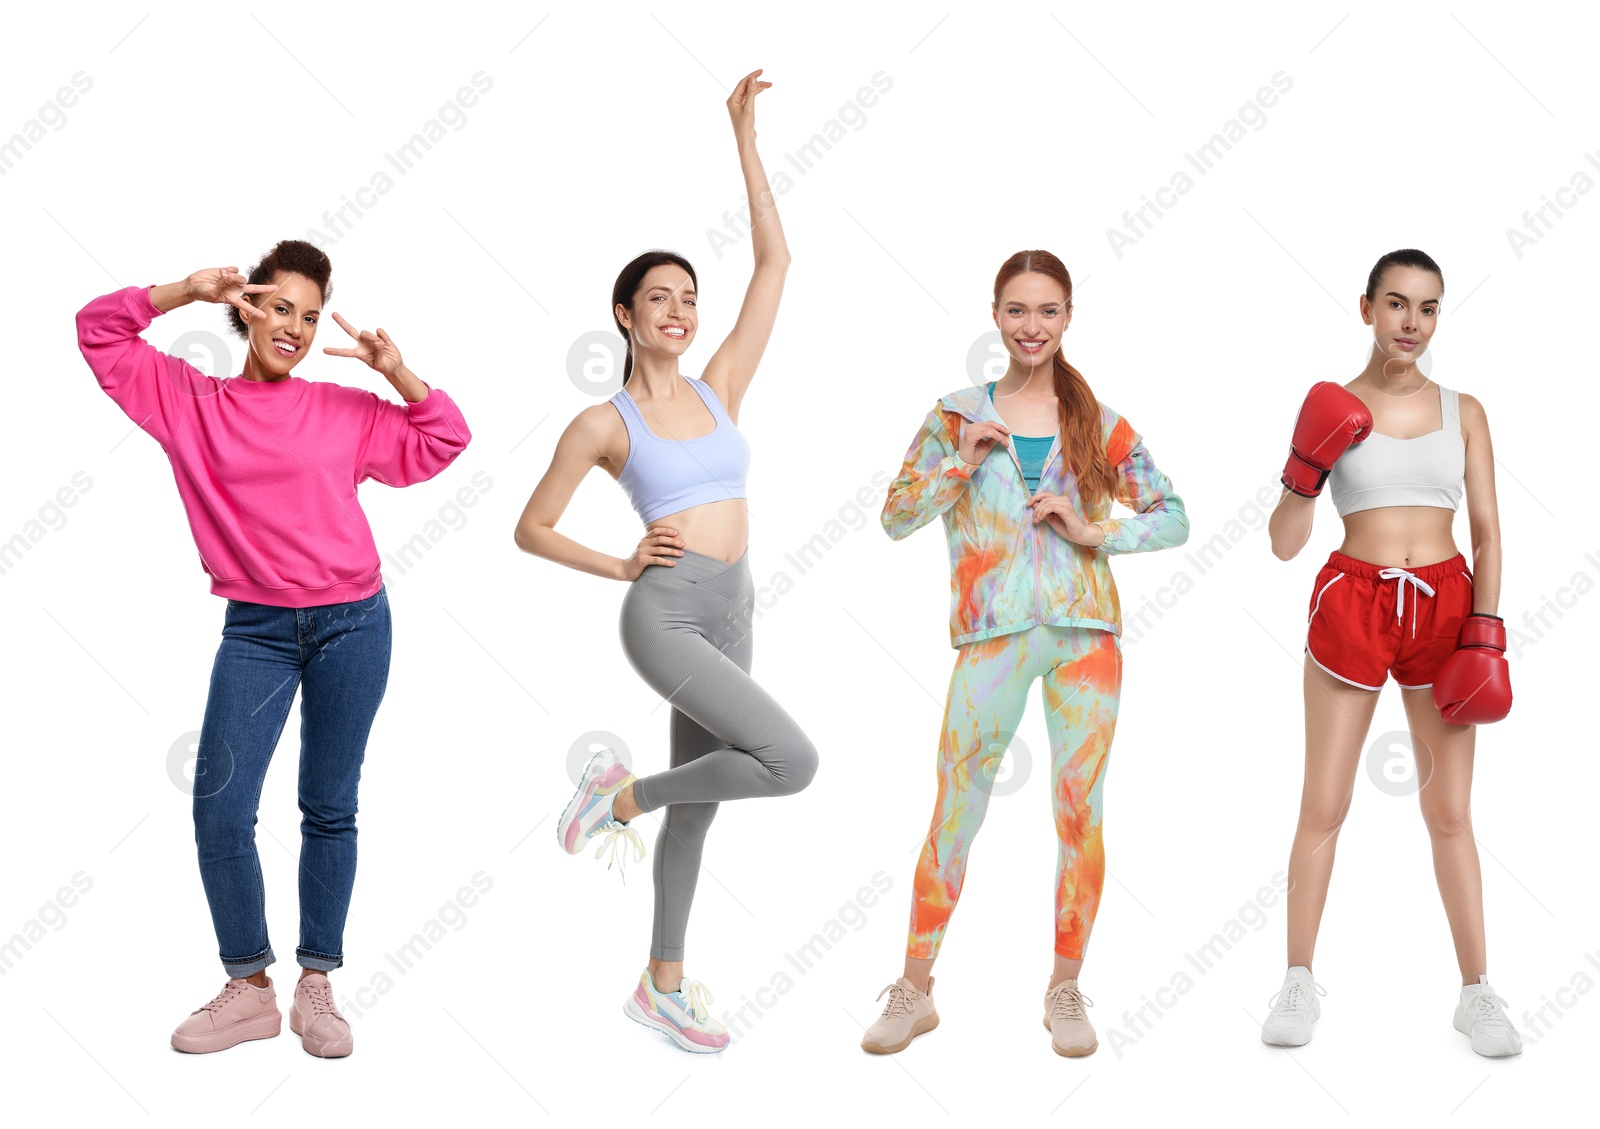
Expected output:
{"points": [[338, 654]]}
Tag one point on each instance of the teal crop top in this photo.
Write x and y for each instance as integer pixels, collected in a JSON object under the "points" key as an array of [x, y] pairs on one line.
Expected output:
{"points": [[1032, 450]]}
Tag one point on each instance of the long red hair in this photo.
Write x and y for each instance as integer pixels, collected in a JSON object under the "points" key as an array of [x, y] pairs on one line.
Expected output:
{"points": [[1082, 446]]}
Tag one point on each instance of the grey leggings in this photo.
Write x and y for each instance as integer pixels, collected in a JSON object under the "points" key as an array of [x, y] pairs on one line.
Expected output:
{"points": [[686, 630]]}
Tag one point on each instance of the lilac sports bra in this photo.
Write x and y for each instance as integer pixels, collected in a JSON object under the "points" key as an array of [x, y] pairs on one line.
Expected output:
{"points": [[1425, 470], [663, 476]]}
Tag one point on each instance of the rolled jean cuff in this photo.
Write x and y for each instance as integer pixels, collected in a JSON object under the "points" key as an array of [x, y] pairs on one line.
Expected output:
{"points": [[248, 966], [318, 962]]}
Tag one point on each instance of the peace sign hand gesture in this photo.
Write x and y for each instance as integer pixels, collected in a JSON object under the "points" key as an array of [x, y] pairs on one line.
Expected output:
{"points": [[227, 286], [374, 348]]}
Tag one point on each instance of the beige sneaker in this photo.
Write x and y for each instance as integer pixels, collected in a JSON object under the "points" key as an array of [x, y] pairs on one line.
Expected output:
{"points": [[1071, 1033], [908, 1014]]}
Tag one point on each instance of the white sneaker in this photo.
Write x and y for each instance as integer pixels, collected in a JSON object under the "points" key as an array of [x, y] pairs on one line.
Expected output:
{"points": [[1294, 1010], [1480, 1014]]}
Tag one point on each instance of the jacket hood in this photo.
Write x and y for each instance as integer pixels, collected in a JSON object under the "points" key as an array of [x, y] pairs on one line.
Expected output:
{"points": [[971, 401]]}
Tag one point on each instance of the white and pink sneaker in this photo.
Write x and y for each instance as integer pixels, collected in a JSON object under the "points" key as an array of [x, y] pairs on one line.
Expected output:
{"points": [[240, 1011], [683, 1016], [588, 813], [323, 1031]]}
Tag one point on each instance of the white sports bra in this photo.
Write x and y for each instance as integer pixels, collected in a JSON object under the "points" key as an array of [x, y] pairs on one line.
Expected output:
{"points": [[1426, 470]]}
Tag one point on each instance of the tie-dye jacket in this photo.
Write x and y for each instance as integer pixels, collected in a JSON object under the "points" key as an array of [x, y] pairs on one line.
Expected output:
{"points": [[1006, 572]]}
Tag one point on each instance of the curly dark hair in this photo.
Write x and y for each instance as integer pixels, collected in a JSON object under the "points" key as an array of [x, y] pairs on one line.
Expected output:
{"points": [[294, 256]]}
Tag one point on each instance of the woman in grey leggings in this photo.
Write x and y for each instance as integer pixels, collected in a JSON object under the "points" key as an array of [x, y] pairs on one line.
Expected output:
{"points": [[673, 445]]}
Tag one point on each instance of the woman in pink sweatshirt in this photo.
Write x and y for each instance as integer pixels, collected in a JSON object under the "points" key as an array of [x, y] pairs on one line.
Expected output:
{"points": [[267, 465]]}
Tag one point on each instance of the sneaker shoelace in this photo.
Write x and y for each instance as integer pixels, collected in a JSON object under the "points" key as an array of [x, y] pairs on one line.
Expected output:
{"points": [[615, 838], [321, 997], [899, 1001], [223, 997], [697, 998], [1068, 1002], [1293, 996], [1487, 1007]]}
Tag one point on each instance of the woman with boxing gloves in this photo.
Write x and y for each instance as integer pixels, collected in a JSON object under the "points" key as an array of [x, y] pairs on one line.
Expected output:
{"points": [[267, 466], [1395, 451]]}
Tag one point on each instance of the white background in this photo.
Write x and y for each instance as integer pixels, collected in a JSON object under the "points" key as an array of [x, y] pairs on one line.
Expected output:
{"points": [[211, 131]]}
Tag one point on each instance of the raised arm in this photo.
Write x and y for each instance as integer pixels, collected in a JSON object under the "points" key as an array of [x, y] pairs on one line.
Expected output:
{"points": [[402, 446], [155, 390], [148, 385], [1332, 419], [733, 366]]}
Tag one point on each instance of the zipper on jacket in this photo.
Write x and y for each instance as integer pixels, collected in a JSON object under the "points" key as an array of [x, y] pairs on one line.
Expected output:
{"points": [[1038, 597], [1038, 550]]}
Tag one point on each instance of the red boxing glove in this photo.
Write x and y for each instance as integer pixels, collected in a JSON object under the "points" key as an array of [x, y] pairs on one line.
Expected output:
{"points": [[1331, 421], [1473, 687]]}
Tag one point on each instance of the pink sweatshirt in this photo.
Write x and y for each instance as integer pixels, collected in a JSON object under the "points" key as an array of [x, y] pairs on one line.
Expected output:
{"points": [[268, 470]]}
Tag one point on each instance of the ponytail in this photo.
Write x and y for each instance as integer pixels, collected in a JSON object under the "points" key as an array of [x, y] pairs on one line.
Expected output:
{"points": [[1082, 444]]}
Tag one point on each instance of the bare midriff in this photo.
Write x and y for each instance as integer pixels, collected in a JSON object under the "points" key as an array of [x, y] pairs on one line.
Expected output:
{"points": [[714, 529], [1400, 536]]}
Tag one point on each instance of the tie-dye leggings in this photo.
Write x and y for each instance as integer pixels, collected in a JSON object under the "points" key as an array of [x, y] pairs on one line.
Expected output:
{"points": [[1081, 670]]}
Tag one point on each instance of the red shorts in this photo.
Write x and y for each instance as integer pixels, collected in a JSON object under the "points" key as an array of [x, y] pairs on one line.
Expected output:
{"points": [[1368, 622]]}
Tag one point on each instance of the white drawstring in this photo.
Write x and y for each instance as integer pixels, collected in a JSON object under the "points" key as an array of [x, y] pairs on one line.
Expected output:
{"points": [[615, 837], [1405, 578]]}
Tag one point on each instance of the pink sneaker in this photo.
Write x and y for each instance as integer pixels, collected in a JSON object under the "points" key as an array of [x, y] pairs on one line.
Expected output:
{"points": [[241, 1011], [683, 1016], [323, 1031], [588, 813]]}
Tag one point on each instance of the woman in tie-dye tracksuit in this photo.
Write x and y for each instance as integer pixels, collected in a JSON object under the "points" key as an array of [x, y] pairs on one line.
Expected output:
{"points": [[1030, 535]]}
